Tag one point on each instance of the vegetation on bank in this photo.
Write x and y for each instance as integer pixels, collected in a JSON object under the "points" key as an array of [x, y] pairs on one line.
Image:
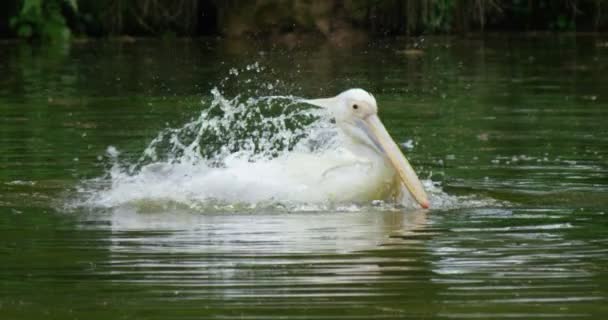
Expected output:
{"points": [[59, 19]]}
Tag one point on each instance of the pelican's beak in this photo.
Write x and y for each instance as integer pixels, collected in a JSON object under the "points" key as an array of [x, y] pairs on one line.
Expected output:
{"points": [[378, 134]]}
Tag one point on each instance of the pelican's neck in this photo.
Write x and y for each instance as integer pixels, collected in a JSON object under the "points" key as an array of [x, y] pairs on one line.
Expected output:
{"points": [[362, 149]]}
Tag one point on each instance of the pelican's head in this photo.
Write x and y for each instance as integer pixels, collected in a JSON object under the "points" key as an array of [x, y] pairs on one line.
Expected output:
{"points": [[356, 113]]}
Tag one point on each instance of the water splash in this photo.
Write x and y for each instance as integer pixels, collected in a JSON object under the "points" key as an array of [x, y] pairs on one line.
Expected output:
{"points": [[252, 128], [246, 153]]}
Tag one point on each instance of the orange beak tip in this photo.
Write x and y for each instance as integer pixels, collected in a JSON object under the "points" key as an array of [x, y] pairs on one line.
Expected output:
{"points": [[425, 205]]}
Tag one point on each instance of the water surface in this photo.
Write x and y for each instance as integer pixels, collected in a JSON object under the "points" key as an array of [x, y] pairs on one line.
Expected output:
{"points": [[512, 130]]}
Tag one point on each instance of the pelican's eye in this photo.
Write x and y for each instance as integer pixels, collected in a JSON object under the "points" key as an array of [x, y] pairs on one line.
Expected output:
{"points": [[355, 106]]}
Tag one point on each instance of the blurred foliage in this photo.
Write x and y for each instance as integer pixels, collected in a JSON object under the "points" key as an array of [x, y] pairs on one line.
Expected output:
{"points": [[43, 19], [56, 19]]}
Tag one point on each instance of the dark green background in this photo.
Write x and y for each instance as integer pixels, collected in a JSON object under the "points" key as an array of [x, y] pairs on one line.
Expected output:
{"points": [[337, 20]]}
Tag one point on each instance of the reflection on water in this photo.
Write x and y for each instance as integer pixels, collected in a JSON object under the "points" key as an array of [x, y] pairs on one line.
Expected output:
{"points": [[468, 263], [316, 232], [512, 130], [279, 250], [524, 258]]}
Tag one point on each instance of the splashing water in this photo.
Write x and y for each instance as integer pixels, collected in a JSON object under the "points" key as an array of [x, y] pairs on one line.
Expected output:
{"points": [[247, 153]]}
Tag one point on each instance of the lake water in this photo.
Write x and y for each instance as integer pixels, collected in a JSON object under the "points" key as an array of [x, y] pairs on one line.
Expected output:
{"points": [[511, 133]]}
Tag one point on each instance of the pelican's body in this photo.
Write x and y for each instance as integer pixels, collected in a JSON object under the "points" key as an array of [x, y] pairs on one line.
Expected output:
{"points": [[337, 176]]}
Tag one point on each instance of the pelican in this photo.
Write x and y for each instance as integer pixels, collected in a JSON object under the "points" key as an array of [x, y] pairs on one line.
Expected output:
{"points": [[356, 114], [362, 164]]}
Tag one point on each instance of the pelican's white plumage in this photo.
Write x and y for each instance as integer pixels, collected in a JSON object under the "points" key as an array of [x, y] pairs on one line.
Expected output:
{"points": [[356, 114]]}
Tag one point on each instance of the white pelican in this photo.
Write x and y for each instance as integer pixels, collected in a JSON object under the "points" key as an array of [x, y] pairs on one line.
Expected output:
{"points": [[364, 164], [356, 115]]}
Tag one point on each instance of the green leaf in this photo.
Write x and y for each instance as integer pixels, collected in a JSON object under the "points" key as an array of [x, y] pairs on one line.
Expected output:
{"points": [[25, 31], [34, 5]]}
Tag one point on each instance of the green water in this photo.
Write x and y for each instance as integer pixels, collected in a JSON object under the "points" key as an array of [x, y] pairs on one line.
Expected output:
{"points": [[519, 124]]}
